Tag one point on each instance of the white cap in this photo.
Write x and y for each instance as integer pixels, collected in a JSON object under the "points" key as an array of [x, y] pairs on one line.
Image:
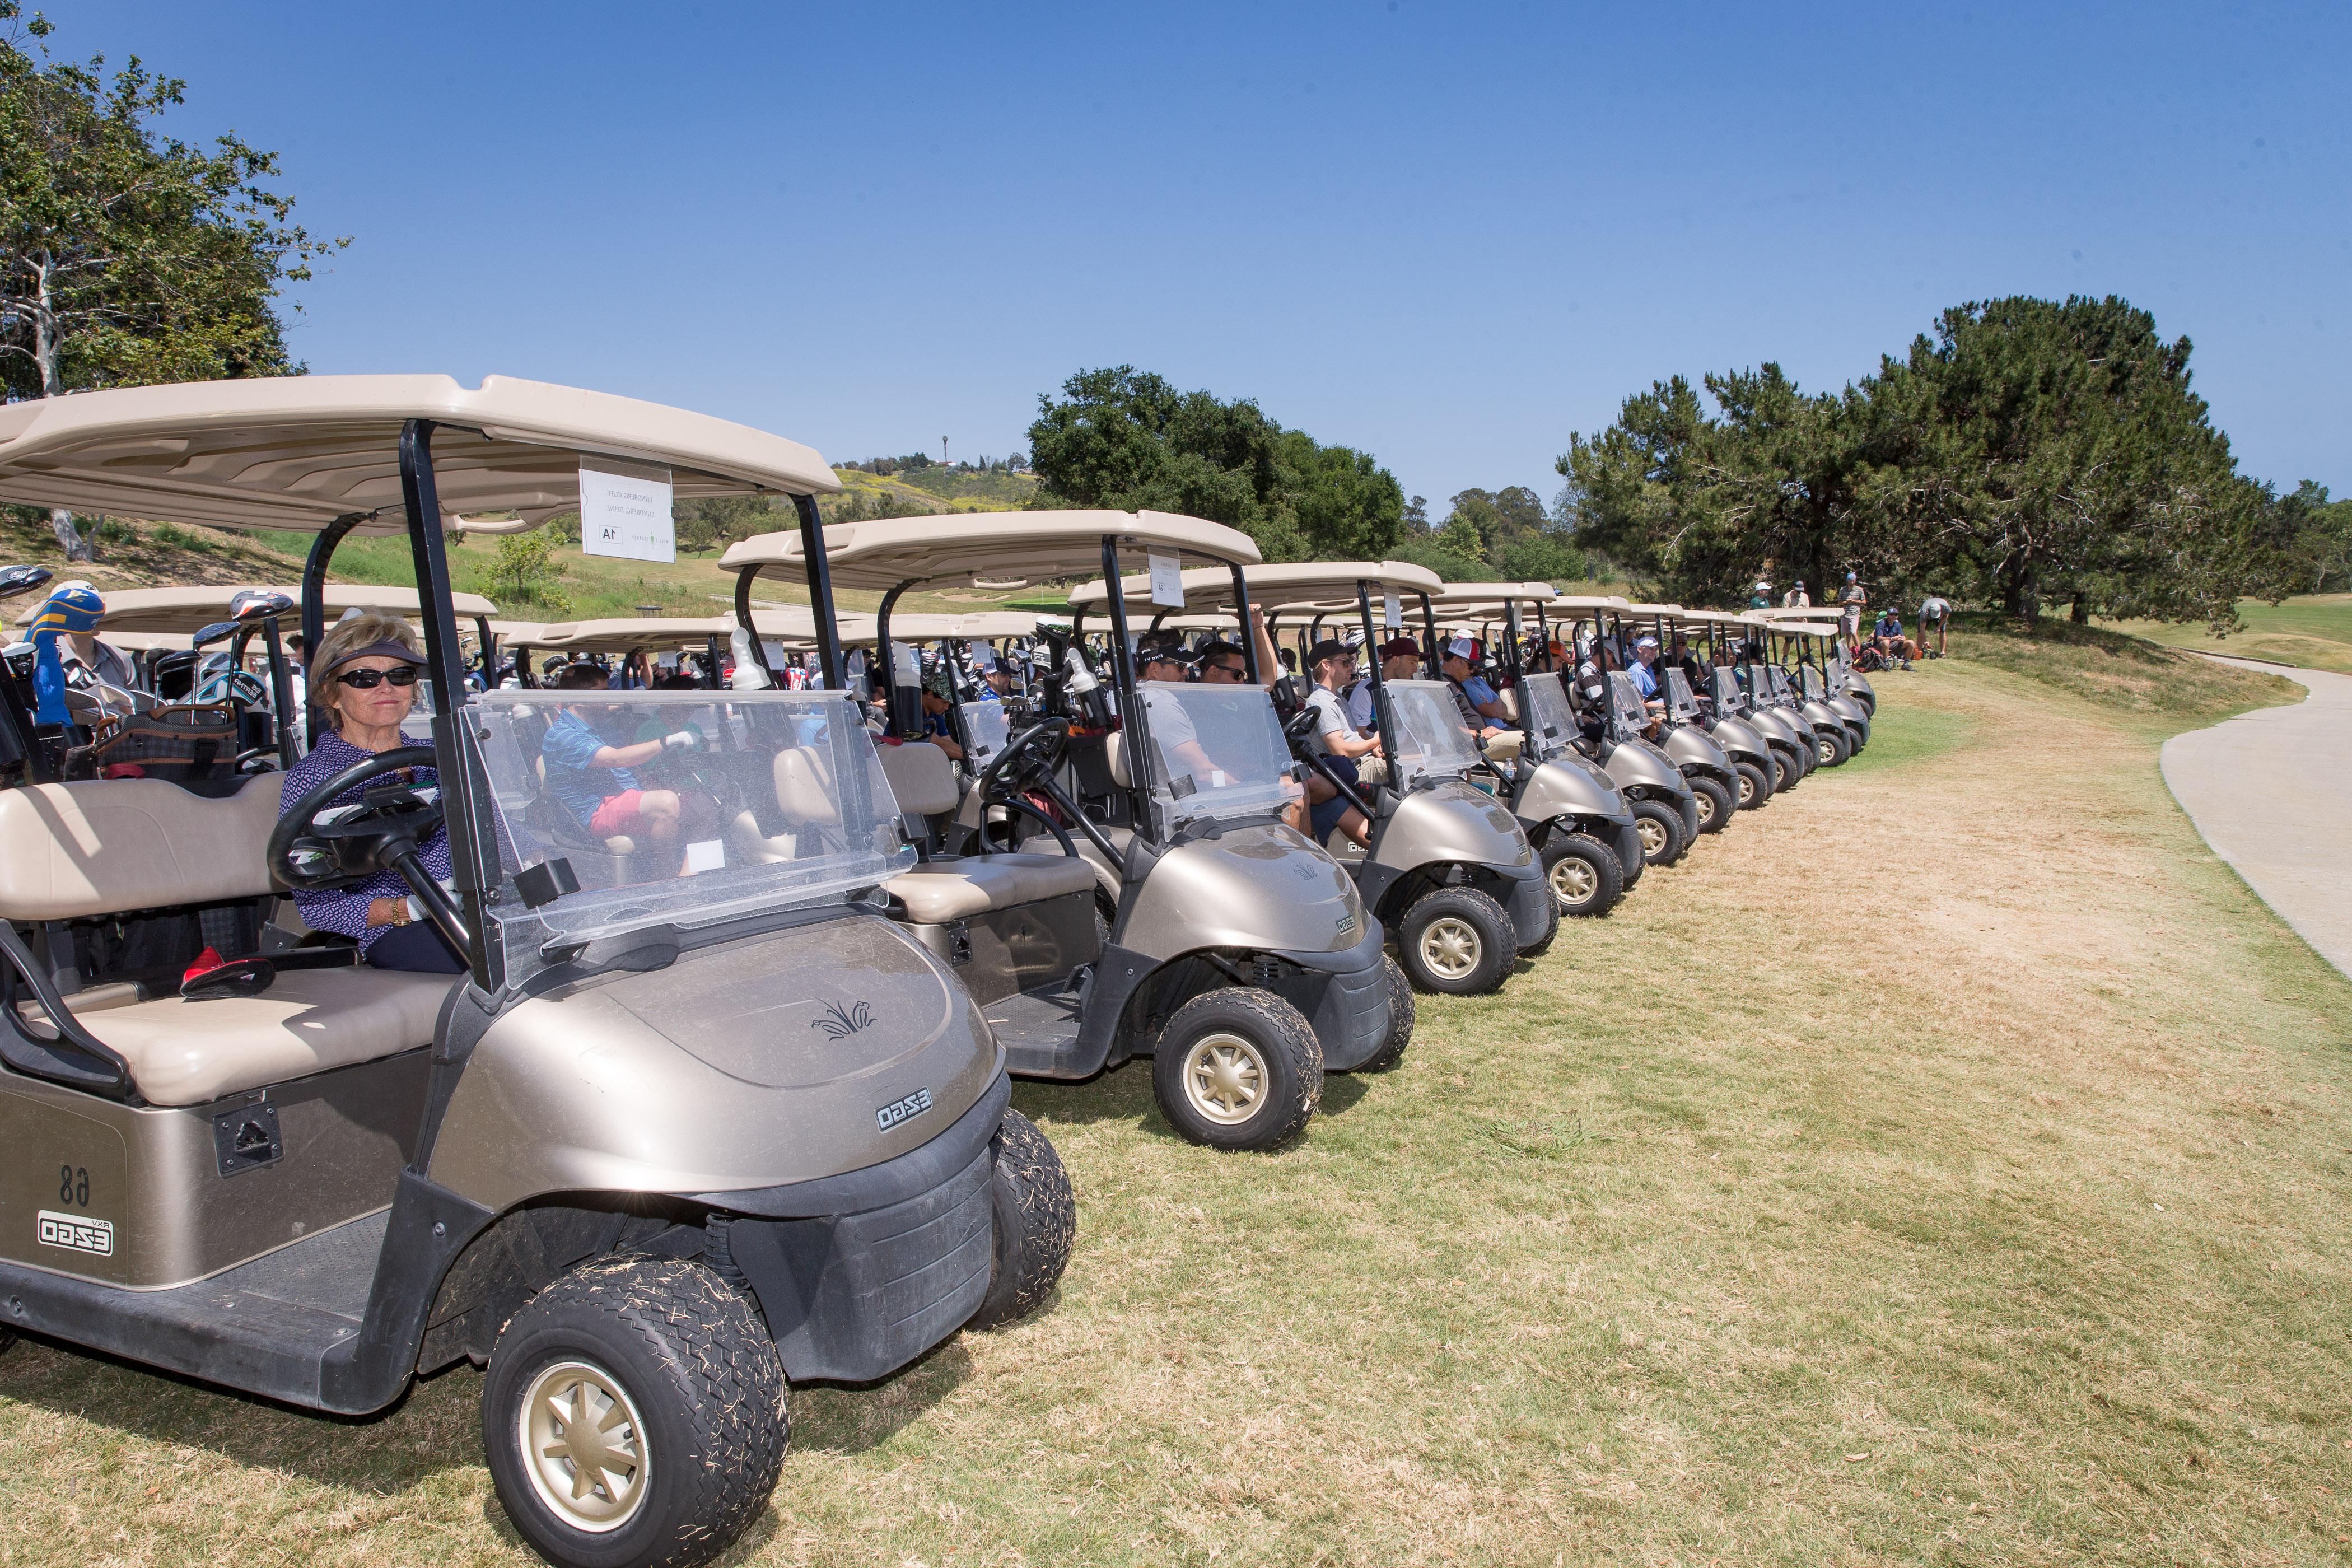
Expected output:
{"points": [[1646, 641], [1462, 647]]}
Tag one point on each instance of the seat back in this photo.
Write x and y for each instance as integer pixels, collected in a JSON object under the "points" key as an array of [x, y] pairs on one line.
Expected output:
{"points": [[921, 778], [101, 847], [1115, 758], [1510, 697]]}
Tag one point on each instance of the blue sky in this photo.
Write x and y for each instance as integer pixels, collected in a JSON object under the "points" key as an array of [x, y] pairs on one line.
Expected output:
{"points": [[1448, 234]]}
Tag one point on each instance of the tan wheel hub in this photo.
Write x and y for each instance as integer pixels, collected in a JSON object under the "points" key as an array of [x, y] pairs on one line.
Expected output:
{"points": [[583, 1445], [1705, 807], [1747, 789], [1450, 947], [1572, 881], [1653, 836], [1225, 1078]]}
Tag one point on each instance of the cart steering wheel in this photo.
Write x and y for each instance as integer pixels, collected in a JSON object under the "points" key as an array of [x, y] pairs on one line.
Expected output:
{"points": [[318, 845], [1027, 757]]}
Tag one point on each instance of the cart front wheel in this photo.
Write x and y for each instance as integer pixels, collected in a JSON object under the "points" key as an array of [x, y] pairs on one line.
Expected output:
{"points": [[1036, 1220], [1584, 875], [1755, 786], [1237, 1068], [634, 1415], [1660, 827], [1715, 805], [1829, 748], [1456, 941]]}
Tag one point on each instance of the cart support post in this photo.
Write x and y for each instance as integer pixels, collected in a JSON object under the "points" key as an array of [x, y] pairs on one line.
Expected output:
{"points": [[820, 586], [314, 590], [471, 834]]}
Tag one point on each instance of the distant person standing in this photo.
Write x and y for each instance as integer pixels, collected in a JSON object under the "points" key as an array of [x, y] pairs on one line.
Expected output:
{"points": [[1796, 598], [1853, 604], [1935, 616], [1760, 597]]}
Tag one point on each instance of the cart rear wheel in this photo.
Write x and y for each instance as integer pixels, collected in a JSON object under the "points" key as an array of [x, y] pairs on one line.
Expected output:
{"points": [[1036, 1220], [1457, 941], [1583, 874], [1237, 1068], [634, 1415], [1660, 827], [1715, 805], [1755, 786]]}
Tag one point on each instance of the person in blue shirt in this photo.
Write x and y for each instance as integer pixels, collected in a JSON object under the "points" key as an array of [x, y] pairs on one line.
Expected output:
{"points": [[591, 778], [1645, 674]]}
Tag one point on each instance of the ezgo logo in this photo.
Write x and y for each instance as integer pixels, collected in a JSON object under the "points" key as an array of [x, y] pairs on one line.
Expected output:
{"points": [[78, 1233], [898, 1110]]}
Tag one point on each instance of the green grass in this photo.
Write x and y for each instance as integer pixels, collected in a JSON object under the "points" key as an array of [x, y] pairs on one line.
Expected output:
{"points": [[1995, 1211], [2119, 673], [2314, 631]]}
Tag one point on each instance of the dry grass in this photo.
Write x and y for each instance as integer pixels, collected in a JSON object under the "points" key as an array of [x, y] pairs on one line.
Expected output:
{"points": [[1948, 1164]]}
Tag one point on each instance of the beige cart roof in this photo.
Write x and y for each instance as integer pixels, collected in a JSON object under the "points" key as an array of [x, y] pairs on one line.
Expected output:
{"points": [[987, 549], [797, 623], [1290, 584], [524, 632], [191, 609], [632, 634], [1476, 597], [1829, 613], [296, 452], [144, 642]]}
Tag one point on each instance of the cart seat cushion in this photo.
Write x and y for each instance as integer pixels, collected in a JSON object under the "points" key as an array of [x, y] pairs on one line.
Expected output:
{"points": [[190, 1053], [113, 846], [971, 884], [1505, 746], [921, 778]]}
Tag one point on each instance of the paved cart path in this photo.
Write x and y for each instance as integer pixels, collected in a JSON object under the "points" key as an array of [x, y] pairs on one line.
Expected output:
{"points": [[2272, 793]]}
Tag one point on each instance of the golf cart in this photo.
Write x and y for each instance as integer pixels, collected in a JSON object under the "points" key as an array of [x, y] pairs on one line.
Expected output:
{"points": [[1583, 830], [652, 635], [1812, 647], [1706, 765], [1449, 870], [1763, 706], [1832, 742], [1160, 905], [1614, 721], [663, 1145], [1747, 747]]}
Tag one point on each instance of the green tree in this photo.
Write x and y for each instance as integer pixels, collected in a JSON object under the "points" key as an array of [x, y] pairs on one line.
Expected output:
{"points": [[525, 572], [1128, 440], [2029, 451], [2321, 532], [127, 258]]}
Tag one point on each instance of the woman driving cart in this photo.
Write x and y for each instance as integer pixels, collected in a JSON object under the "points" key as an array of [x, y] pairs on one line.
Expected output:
{"points": [[367, 684]]}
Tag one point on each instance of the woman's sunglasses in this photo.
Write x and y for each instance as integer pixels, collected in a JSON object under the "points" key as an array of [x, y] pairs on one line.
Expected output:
{"points": [[367, 679]]}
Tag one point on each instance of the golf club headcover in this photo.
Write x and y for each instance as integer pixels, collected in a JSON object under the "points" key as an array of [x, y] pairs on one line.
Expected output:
{"points": [[75, 607]]}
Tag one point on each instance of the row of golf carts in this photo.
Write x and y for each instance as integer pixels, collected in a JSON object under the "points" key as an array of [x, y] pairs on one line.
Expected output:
{"points": [[713, 1112]]}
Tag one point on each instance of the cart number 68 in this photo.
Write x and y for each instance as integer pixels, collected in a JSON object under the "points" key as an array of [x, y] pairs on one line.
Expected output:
{"points": [[73, 1185]]}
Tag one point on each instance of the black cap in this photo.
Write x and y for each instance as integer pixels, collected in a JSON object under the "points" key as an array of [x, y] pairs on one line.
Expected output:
{"points": [[1330, 648]]}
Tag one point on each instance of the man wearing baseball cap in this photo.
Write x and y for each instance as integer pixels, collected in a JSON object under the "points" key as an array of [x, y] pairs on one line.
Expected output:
{"points": [[1455, 667], [1330, 664], [1400, 660]]}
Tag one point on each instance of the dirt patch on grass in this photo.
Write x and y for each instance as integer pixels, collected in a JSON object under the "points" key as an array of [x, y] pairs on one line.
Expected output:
{"points": [[1947, 1163]]}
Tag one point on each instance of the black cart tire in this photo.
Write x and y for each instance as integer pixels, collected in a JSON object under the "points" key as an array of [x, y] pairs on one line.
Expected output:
{"points": [[1755, 786], [1036, 1222], [1456, 941], [1237, 1067], [681, 1395], [1715, 804], [1402, 1013], [1661, 826], [1787, 771], [1830, 747], [1583, 875]]}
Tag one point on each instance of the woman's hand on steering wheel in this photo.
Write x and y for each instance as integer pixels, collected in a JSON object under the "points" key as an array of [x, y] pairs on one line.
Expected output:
{"points": [[321, 845]]}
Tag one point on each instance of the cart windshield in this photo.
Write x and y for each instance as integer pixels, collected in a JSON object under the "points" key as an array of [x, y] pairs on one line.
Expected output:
{"points": [[1780, 679], [1551, 723], [987, 727], [1216, 751], [1810, 679], [681, 809], [1722, 684], [1431, 740], [1682, 707], [1758, 678], [1625, 704]]}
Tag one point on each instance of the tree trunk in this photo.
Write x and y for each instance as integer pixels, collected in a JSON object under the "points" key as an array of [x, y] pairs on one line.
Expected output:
{"points": [[77, 548], [2081, 614], [2021, 592]]}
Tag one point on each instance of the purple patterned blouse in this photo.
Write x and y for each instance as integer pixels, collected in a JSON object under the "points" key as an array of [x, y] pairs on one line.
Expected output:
{"points": [[344, 910]]}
